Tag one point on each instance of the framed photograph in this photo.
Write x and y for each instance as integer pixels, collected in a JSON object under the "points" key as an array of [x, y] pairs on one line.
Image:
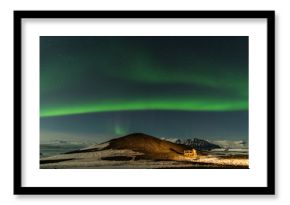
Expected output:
{"points": [[144, 102]]}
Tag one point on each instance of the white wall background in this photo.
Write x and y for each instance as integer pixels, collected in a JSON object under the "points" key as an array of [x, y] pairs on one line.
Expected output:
{"points": [[282, 97]]}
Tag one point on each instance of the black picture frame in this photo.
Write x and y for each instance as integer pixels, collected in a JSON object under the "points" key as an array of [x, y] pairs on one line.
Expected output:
{"points": [[268, 190]]}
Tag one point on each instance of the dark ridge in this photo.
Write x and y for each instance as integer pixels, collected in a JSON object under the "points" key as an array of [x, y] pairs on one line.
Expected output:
{"points": [[48, 161], [234, 157], [117, 158], [175, 151], [83, 151]]}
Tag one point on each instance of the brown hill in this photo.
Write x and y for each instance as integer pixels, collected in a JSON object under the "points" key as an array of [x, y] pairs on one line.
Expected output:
{"points": [[151, 146]]}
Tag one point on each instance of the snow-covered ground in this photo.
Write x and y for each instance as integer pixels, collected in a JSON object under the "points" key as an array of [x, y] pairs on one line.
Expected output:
{"points": [[98, 160], [128, 159], [219, 161]]}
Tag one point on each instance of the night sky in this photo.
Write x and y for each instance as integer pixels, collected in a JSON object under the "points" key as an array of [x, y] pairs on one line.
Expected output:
{"points": [[97, 88]]}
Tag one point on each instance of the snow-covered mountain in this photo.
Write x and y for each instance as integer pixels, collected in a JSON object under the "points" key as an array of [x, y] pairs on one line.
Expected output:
{"points": [[231, 144], [195, 143], [200, 144]]}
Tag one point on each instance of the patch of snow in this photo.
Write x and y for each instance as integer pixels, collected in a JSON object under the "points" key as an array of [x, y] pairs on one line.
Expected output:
{"points": [[97, 146]]}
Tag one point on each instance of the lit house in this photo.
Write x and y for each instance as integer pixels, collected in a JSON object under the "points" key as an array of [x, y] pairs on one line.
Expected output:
{"points": [[190, 153]]}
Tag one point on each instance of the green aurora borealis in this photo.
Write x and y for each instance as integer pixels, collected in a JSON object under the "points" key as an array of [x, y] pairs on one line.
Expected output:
{"points": [[91, 75], [168, 104], [69, 64]]}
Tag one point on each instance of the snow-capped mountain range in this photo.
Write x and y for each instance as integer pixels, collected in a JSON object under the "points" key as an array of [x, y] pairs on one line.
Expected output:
{"points": [[200, 144], [231, 144]]}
